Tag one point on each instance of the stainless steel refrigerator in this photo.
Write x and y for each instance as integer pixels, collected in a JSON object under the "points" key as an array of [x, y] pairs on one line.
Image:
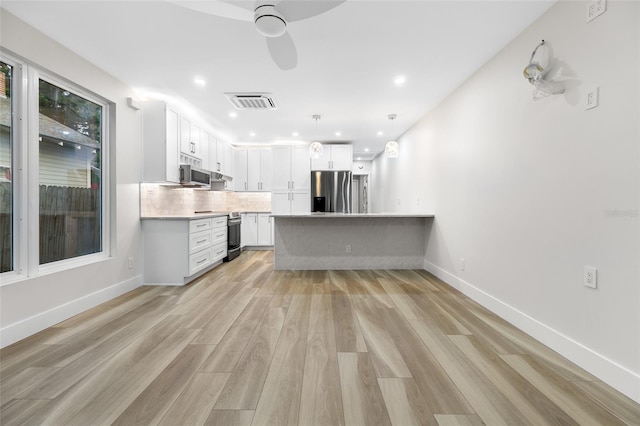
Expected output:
{"points": [[331, 191]]}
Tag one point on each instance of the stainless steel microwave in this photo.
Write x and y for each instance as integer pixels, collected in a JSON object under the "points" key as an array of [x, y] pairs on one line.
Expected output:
{"points": [[190, 175]]}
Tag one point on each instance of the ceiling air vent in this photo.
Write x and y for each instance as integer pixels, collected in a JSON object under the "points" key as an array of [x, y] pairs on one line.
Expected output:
{"points": [[251, 101]]}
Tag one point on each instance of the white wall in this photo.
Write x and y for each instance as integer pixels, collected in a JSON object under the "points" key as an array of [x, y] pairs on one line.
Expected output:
{"points": [[31, 305], [531, 192]]}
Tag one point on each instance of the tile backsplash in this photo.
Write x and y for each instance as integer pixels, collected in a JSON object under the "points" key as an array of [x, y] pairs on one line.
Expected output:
{"points": [[174, 200]]}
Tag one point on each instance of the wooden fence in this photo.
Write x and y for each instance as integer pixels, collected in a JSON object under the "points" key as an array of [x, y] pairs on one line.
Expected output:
{"points": [[69, 223]]}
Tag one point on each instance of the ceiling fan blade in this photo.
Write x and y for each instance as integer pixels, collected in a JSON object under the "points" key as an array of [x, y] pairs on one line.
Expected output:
{"points": [[296, 10], [217, 8], [283, 51]]}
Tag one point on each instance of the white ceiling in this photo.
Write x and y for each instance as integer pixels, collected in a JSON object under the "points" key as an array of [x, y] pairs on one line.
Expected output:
{"points": [[348, 58]]}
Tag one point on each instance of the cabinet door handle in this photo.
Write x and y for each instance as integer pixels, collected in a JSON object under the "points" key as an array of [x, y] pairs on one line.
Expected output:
{"points": [[219, 235], [245, 186], [220, 252], [202, 261], [201, 225], [201, 241]]}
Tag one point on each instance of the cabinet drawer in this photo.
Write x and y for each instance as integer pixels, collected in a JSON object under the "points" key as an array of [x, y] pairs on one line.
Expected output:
{"points": [[199, 260], [218, 235], [199, 240], [218, 252], [219, 221], [199, 225]]}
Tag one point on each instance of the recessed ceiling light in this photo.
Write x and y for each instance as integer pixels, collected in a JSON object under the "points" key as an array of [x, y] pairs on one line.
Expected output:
{"points": [[295, 133], [359, 158], [252, 134], [399, 80], [233, 114], [366, 150], [199, 81], [338, 133], [380, 133]]}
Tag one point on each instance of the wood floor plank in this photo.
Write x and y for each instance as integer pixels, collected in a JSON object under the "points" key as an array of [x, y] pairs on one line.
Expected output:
{"points": [[441, 394], [195, 403], [610, 399], [21, 412], [490, 404], [564, 394], [230, 418], [401, 300], [458, 420], [230, 348], [386, 357], [152, 404], [349, 336], [244, 386], [147, 346], [25, 379], [215, 329], [405, 403], [111, 400], [361, 397], [279, 402], [93, 357], [321, 315], [321, 400], [534, 405], [532, 347]]}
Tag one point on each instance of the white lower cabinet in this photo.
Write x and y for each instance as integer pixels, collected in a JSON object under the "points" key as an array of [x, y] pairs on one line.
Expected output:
{"points": [[290, 202], [177, 251], [256, 230]]}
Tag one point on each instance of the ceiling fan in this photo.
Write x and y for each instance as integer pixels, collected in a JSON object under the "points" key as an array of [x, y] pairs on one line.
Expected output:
{"points": [[270, 18]]}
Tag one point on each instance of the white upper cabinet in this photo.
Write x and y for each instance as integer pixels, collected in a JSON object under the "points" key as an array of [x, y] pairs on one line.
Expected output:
{"points": [[240, 182], [189, 137], [224, 158], [291, 168], [161, 139], [335, 157], [204, 150], [291, 180], [259, 169]]}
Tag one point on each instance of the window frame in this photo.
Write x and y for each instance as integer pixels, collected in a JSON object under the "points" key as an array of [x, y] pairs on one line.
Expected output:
{"points": [[26, 182]]}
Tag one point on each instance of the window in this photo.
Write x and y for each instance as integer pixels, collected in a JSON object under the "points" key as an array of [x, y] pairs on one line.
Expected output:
{"points": [[53, 158], [70, 140], [6, 185]]}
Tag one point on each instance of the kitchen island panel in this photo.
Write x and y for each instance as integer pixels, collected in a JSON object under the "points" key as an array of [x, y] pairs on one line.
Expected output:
{"points": [[349, 242]]}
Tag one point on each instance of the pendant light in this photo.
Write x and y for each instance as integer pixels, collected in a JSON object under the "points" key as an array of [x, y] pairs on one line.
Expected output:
{"points": [[316, 150], [391, 148]]}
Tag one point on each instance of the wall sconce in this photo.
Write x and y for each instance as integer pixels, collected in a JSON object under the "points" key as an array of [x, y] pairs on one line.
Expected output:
{"points": [[391, 148], [539, 65]]}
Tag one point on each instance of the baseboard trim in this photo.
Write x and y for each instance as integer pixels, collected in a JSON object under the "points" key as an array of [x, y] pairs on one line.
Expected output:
{"points": [[615, 375], [22, 329]]}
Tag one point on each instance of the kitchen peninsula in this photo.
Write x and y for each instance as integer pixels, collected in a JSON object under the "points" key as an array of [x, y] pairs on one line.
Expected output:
{"points": [[323, 241]]}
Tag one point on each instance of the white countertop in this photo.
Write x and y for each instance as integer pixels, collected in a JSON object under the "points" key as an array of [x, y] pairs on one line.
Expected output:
{"points": [[185, 217], [351, 215]]}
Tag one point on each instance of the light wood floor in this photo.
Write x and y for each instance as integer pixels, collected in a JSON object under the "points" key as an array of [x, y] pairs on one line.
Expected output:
{"points": [[246, 345]]}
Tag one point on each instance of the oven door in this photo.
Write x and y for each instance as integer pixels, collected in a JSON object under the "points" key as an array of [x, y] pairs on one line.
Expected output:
{"points": [[233, 238]]}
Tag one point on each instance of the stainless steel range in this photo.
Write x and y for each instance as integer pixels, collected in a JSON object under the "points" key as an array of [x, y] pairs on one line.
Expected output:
{"points": [[233, 236]]}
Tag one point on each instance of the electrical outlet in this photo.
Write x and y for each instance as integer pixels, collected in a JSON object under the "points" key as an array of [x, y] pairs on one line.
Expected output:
{"points": [[593, 97], [131, 263], [590, 277], [463, 263], [596, 8], [347, 249]]}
